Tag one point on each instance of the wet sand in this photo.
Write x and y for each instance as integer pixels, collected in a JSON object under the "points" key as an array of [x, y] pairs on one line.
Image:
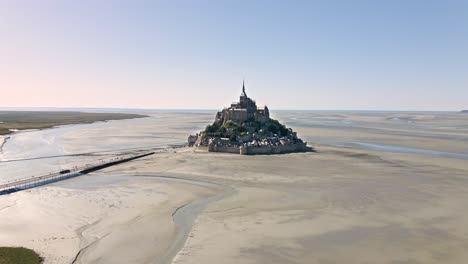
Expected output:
{"points": [[331, 207], [131, 220], [343, 204], [3, 140]]}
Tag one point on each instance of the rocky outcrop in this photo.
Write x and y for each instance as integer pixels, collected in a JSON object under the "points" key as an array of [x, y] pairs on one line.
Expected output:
{"points": [[244, 129]]}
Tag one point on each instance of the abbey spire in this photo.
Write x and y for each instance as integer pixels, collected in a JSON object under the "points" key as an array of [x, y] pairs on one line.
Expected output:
{"points": [[243, 89]]}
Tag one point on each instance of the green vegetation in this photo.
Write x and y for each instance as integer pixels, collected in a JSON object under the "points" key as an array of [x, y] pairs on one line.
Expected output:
{"points": [[18, 255], [230, 124], [251, 123], [46, 119], [230, 129], [214, 131], [277, 128]]}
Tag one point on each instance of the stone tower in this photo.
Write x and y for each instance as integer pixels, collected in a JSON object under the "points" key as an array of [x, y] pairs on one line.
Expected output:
{"points": [[243, 94]]}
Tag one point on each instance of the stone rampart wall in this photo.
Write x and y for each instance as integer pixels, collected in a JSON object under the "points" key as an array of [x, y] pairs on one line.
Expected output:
{"points": [[261, 150], [274, 149], [225, 149]]}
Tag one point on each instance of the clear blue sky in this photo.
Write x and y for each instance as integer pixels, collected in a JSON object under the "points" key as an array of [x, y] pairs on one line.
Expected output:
{"points": [[401, 55]]}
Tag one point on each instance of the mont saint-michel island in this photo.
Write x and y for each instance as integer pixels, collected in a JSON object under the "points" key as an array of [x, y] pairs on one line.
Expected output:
{"points": [[246, 129]]}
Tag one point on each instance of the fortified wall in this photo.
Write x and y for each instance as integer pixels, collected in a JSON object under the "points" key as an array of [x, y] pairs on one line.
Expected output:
{"points": [[259, 150]]}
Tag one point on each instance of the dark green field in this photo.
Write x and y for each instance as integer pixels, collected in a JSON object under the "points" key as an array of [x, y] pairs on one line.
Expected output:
{"points": [[18, 255], [45, 119]]}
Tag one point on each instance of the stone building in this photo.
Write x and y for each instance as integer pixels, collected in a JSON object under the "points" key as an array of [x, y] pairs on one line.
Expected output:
{"points": [[243, 110]]}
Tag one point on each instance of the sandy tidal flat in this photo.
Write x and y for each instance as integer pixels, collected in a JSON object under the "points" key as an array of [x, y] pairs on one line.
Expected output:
{"points": [[344, 204], [331, 207], [129, 222]]}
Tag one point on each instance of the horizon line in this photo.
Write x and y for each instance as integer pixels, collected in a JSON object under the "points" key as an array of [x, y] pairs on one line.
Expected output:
{"points": [[56, 108]]}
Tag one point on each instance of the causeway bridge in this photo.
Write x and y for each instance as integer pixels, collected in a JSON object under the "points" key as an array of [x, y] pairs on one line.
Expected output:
{"points": [[28, 183]]}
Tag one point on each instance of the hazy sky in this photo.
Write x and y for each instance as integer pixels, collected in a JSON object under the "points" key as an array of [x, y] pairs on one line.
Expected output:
{"points": [[388, 54]]}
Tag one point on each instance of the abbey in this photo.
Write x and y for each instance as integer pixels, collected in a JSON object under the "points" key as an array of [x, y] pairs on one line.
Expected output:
{"points": [[245, 109]]}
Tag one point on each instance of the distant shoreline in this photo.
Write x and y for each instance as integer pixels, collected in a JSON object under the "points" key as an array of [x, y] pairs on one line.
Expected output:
{"points": [[12, 121], [139, 110]]}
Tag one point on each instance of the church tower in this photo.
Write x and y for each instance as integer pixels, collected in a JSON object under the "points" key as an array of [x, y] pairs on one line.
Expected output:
{"points": [[243, 100], [243, 94]]}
